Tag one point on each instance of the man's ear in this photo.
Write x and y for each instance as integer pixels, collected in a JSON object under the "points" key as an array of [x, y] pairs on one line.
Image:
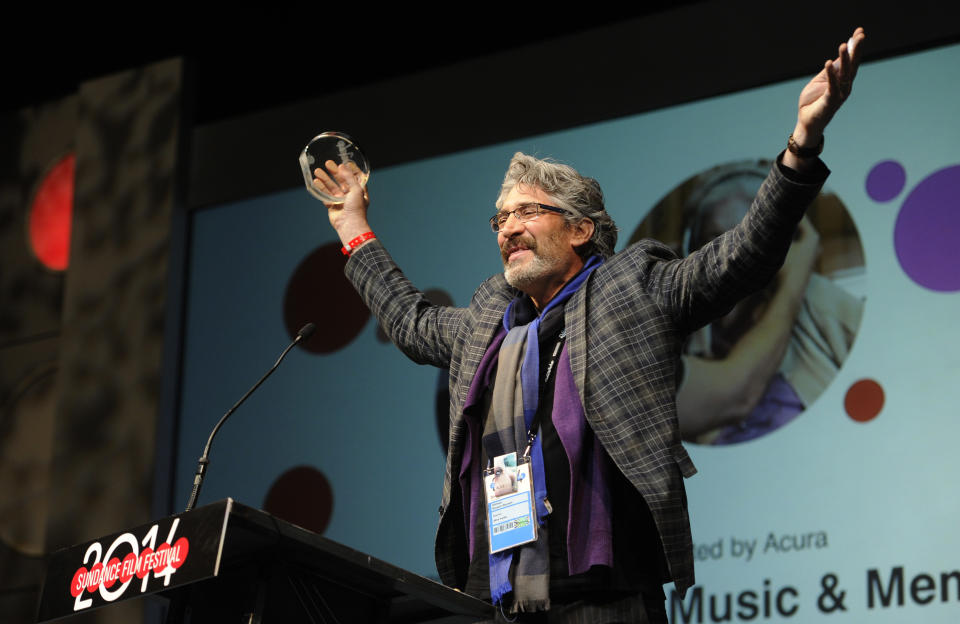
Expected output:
{"points": [[582, 232]]}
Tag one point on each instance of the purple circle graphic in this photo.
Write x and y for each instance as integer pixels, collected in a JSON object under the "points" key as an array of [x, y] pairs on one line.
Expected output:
{"points": [[927, 234], [886, 180]]}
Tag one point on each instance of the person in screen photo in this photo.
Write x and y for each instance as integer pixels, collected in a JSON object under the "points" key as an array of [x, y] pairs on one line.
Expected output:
{"points": [[504, 481]]}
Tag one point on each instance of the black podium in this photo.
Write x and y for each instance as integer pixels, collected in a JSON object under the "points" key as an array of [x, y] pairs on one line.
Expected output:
{"points": [[227, 562]]}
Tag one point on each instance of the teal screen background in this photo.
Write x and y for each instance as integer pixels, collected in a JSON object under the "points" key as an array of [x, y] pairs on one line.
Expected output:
{"points": [[844, 497]]}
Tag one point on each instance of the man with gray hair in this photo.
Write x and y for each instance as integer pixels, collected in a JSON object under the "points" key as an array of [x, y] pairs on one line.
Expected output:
{"points": [[567, 365]]}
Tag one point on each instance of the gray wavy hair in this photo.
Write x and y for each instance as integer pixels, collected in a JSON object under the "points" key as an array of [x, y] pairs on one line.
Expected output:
{"points": [[568, 189]]}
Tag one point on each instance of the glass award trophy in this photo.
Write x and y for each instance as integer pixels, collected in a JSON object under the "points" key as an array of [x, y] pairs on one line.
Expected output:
{"points": [[338, 148]]}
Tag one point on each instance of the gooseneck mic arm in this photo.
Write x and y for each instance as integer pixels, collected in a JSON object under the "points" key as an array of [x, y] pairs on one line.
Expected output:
{"points": [[305, 332]]}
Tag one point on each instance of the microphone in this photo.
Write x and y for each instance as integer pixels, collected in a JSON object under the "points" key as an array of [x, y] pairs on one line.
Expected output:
{"points": [[304, 334]]}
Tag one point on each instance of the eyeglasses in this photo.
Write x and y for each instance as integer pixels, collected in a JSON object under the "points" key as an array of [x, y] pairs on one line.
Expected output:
{"points": [[523, 213]]}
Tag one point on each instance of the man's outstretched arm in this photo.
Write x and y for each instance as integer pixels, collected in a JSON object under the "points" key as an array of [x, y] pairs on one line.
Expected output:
{"points": [[740, 261], [423, 331]]}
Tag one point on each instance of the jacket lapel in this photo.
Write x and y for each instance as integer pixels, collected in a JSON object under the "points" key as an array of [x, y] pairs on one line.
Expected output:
{"points": [[575, 321]]}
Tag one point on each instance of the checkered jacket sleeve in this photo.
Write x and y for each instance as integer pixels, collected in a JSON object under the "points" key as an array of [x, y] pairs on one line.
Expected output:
{"points": [[423, 331], [709, 282]]}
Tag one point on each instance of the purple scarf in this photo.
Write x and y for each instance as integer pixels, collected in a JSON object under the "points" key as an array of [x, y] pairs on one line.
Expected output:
{"points": [[589, 539]]}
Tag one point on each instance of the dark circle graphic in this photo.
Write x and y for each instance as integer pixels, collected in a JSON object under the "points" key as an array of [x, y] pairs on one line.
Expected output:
{"points": [[864, 400], [318, 292], [301, 495], [441, 394], [760, 346], [886, 180], [927, 233], [50, 214]]}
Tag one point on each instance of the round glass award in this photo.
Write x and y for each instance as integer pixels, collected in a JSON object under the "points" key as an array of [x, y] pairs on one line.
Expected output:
{"points": [[336, 147]]}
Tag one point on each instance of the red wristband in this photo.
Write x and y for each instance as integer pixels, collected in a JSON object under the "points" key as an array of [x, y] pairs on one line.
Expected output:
{"points": [[356, 243]]}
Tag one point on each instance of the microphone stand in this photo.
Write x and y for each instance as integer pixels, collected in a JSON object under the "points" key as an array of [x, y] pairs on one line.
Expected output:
{"points": [[305, 332]]}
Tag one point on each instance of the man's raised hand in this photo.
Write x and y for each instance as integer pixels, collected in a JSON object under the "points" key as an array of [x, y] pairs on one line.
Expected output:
{"points": [[349, 217], [822, 97]]}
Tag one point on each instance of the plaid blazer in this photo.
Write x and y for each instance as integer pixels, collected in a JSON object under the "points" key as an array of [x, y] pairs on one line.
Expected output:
{"points": [[625, 331]]}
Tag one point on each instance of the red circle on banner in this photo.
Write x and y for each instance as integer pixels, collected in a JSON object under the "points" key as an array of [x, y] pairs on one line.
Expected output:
{"points": [[181, 547], [864, 400], [50, 215], [142, 568], [95, 576], [76, 585], [161, 560], [128, 567], [111, 572]]}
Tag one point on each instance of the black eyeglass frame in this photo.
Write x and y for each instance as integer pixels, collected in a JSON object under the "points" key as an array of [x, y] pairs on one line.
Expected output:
{"points": [[496, 223]]}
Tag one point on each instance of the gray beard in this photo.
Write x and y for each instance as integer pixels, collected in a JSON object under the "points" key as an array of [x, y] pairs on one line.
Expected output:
{"points": [[523, 276]]}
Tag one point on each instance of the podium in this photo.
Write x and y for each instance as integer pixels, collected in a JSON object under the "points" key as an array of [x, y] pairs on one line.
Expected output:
{"points": [[226, 562]]}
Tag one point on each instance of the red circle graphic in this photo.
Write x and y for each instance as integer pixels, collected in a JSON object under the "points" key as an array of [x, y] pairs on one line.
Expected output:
{"points": [[864, 400]]}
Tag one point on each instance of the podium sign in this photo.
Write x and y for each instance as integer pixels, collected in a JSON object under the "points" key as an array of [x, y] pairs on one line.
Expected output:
{"points": [[227, 561], [174, 551]]}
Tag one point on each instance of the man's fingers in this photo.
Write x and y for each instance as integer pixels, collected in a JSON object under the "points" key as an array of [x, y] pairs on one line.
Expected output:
{"points": [[352, 166], [842, 62], [338, 184], [853, 45], [844, 59], [347, 174], [845, 73], [848, 57], [341, 176], [325, 183], [853, 48], [833, 80], [322, 181]]}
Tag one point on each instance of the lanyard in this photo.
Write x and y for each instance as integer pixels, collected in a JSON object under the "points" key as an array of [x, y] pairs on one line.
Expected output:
{"points": [[535, 424]]}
